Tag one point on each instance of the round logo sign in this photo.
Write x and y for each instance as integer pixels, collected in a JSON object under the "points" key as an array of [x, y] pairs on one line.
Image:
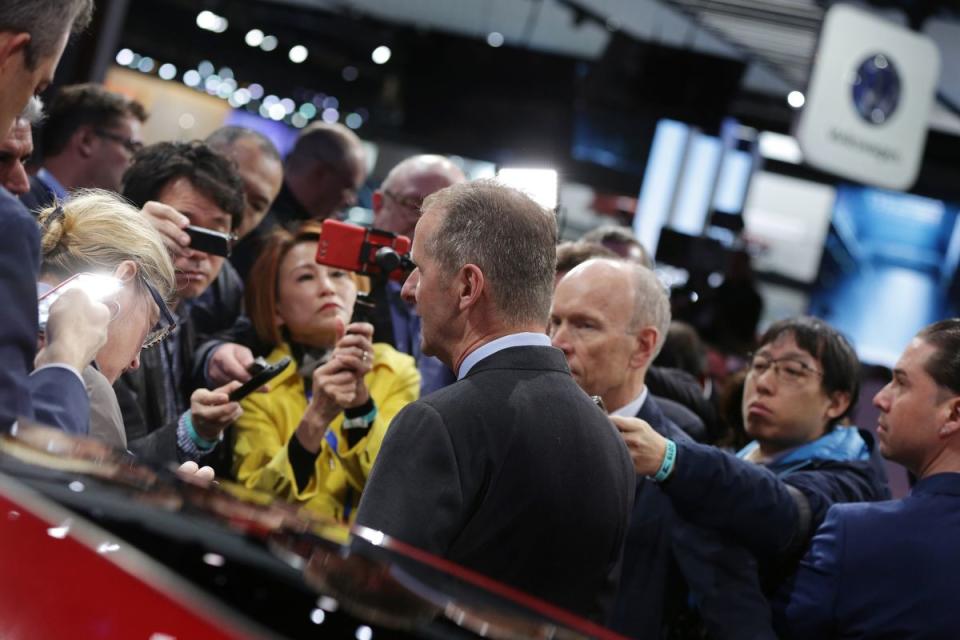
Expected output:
{"points": [[876, 89]]}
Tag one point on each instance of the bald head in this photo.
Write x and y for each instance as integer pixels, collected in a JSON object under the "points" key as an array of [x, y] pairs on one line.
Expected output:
{"points": [[396, 205], [609, 317]]}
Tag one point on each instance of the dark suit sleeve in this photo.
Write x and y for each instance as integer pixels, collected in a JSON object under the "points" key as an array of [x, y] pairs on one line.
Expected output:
{"points": [[806, 608], [414, 492], [714, 489], [52, 396]]}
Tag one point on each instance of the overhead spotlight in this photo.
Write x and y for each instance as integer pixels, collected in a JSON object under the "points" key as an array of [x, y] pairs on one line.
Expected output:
{"points": [[167, 71], [256, 91], [353, 120], [192, 78], [146, 64], [330, 102], [298, 120], [495, 39], [209, 21], [350, 73], [796, 99], [205, 68], [124, 57], [254, 37], [277, 112], [381, 54], [297, 54], [330, 115], [308, 110], [269, 43], [289, 106]]}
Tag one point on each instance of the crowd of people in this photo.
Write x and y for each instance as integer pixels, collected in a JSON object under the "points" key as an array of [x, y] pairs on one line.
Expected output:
{"points": [[524, 408]]}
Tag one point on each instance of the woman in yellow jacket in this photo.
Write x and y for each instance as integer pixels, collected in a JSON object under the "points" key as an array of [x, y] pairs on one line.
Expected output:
{"points": [[314, 437]]}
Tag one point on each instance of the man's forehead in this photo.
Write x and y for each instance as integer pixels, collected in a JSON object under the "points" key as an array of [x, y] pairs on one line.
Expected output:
{"points": [[785, 345]]}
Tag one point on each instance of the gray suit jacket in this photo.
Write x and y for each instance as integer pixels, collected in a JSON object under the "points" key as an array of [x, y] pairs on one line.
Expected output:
{"points": [[512, 472]]}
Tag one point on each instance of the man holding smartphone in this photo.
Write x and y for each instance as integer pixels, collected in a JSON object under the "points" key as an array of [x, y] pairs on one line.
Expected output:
{"points": [[33, 34], [166, 417]]}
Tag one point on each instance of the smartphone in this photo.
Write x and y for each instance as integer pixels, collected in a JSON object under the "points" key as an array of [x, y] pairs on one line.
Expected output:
{"points": [[209, 241], [98, 287], [265, 375]]}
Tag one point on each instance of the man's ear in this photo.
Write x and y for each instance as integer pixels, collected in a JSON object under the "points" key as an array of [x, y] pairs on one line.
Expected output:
{"points": [[839, 402], [470, 285], [84, 139], [644, 342], [951, 425], [12, 43]]}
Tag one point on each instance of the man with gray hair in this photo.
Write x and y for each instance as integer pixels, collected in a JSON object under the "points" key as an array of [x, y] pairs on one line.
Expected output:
{"points": [[512, 467], [17, 147]]}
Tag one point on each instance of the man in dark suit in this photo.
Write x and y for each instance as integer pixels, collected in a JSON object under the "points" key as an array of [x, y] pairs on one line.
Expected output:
{"points": [[511, 471], [89, 139], [33, 35], [889, 569]]}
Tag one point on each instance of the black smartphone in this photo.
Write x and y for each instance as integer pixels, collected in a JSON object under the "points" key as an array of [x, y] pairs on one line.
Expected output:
{"points": [[209, 241], [265, 375]]}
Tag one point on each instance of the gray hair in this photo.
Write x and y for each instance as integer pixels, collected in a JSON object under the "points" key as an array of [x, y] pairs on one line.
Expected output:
{"points": [[32, 114], [507, 235], [47, 21], [651, 304], [225, 138]]}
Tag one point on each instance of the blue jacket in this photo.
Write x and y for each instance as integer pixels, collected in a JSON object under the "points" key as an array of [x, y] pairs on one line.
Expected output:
{"points": [[774, 511], [883, 569], [670, 564], [51, 395]]}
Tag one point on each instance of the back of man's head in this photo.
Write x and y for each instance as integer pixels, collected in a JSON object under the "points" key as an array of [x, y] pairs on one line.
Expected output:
{"points": [[621, 241], [330, 144], [47, 21], [84, 105], [571, 254], [225, 139], [209, 172], [507, 235], [837, 357], [944, 364]]}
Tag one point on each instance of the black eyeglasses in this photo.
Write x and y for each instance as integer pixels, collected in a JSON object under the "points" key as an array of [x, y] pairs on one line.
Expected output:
{"points": [[133, 146], [167, 323], [787, 370]]}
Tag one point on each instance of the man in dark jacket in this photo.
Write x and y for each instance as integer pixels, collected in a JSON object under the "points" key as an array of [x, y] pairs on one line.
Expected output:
{"points": [[511, 470], [165, 422], [771, 497], [889, 569]]}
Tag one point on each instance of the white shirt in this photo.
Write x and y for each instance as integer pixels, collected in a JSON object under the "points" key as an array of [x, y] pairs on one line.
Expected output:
{"points": [[632, 408], [526, 339]]}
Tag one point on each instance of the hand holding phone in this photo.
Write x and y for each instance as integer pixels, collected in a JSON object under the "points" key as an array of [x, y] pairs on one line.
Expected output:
{"points": [[261, 375]]}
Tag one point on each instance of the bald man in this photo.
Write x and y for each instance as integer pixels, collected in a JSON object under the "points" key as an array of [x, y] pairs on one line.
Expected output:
{"points": [[396, 208], [396, 204]]}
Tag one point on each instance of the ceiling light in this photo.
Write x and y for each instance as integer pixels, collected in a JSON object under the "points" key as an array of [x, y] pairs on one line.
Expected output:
{"points": [[495, 39], [330, 115], [124, 57], [353, 120], [796, 99], [350, 73], [298, 54], [167, 71], [209, 21], [269, 43], [381, 54], [254, 37]]}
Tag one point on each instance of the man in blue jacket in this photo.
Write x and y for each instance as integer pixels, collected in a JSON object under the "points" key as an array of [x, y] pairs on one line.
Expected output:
{"points": [[889, 569], [48, 387], [772, 496]]}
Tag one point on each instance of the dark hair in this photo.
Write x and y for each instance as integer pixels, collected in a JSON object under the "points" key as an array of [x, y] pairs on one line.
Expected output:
{"points": [[509, 236], [572, 254], [944, 365], [84, 105], [46, 21], [329, 143], [209, 172], [619, 240], [683, 349], [223, 140], [837, 358]]}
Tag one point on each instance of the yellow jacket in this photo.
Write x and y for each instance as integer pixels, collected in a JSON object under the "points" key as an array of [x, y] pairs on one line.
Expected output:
{"points": [[260, 456]]}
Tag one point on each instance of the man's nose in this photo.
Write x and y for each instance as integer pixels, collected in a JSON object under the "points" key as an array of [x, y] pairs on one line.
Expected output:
{"points": [[880, 400], [559, 337]]}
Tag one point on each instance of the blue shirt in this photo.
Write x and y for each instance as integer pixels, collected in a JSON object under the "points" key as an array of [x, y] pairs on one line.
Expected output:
{"points": [[50, 182]]}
